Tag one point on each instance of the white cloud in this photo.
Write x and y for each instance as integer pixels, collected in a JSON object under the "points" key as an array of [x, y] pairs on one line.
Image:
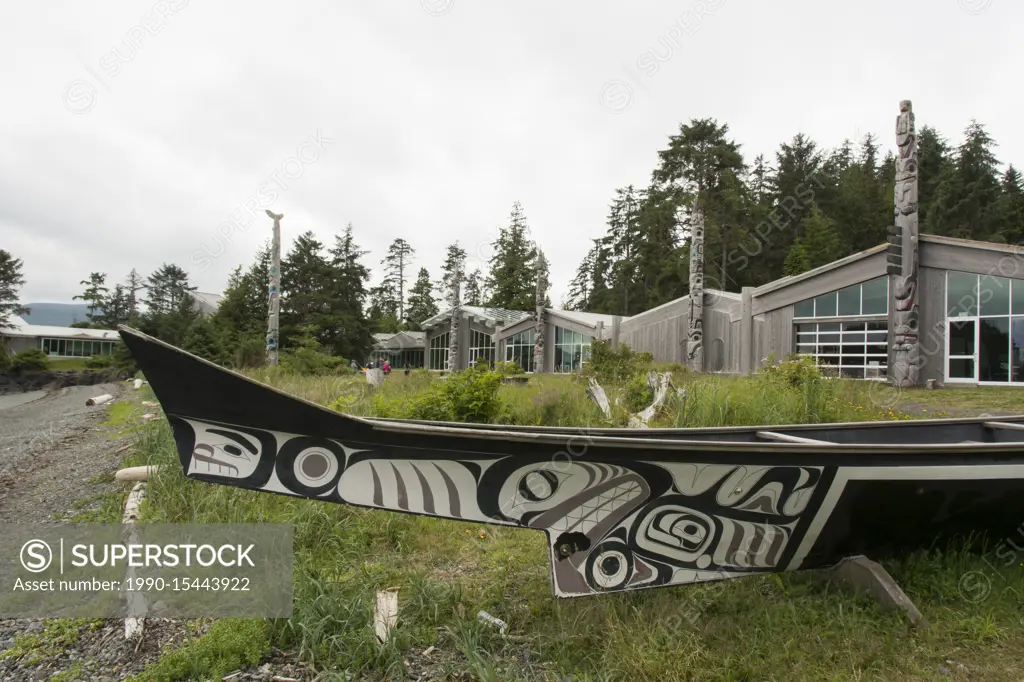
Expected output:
{"points": [[440, 122]]}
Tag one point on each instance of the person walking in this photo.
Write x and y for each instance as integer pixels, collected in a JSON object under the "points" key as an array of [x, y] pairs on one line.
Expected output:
{"points": [[387, 367]]}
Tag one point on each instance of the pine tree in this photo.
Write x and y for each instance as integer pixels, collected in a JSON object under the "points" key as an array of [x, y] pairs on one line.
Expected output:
{"points": [[968, 189], [704, 165], [818, 244], [95, 296], [134, 285], [512, 280], [116, 309], [474, 288], [395, 265], [579, 297], [1009, 208], [422, 305], [351, 337], [170, 308], [306, 290], [206, 339], [624, 233], [933, 159], [11, 281], [454, 265]]}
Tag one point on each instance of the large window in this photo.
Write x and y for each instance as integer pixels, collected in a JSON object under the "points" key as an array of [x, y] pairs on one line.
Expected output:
{"points": [[439, 351], [75, 348], [869, 298], [984, 328], [854, 340], [519, 349], [854, 349], [481, 349], [572, 349]]}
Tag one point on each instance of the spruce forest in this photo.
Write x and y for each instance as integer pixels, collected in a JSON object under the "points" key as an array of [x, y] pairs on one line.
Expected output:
{"points": [[764, 219]]}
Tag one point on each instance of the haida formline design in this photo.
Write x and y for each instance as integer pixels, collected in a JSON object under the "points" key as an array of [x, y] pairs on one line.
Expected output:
{"points": [[622, 509]]}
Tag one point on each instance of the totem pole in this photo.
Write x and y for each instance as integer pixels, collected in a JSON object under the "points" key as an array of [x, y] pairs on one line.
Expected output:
{"points": [[274, 302], [902, 255], [542, 294], [695, 333], [453, 338]]}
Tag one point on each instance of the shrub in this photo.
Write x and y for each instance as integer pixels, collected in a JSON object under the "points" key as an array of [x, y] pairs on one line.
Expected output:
{"points": [[507, 368], [250, 351], [122, 360], [5, 357], [798, 370], [615, 365], [307, 357], [638, 394], [473, 395], [31, 360], [99, 362]]}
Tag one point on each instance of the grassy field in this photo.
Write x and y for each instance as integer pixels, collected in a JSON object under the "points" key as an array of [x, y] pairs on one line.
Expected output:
{"points": [[781, 627]]}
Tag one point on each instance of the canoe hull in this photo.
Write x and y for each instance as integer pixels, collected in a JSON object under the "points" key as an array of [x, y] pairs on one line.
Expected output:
{"points": [[619, 513]]}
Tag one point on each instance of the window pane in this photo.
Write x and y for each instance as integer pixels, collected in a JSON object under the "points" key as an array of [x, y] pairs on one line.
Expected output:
{"points": [[849, 301], [1017, 349], [961, 338], [1018, 296], [994, 295], [875, 296], [825, 305], [994, 350], [961, 369], [804, 308], [961, 294]]}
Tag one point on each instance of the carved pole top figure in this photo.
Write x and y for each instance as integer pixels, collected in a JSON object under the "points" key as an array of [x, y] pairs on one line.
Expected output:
{"points": [[276, 216]]}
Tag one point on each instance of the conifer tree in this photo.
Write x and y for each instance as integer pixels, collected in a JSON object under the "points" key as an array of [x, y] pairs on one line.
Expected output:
{"points": [[422, 304], [396, 264], [11, 281], [94, 296], [512, 279]]}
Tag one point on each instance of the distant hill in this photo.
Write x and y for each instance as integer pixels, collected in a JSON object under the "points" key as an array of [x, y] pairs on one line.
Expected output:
{"points": [[56, 314]]}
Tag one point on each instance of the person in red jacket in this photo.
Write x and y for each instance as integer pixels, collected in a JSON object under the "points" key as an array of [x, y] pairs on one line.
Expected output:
{"points": [[387, 367]]}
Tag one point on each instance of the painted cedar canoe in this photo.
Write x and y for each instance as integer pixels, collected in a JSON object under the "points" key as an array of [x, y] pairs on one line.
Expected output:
{"points": [[622, 509]]}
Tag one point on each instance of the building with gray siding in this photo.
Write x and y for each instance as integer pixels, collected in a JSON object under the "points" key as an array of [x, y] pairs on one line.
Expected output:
{"points": [[971, 317], [970, 310]]}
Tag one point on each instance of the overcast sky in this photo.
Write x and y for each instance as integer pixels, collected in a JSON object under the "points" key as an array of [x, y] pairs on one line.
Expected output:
{"points": [[133, 132]]}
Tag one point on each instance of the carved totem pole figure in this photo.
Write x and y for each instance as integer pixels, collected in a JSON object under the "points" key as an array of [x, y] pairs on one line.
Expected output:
{"points": [[453, 339], [695, 333], [542, 294], [274, 286], [902, 255]]}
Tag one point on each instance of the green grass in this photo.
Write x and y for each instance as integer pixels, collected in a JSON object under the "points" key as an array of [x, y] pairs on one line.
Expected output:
{"points": [[58, 634], [971, 401], [794, 626]]}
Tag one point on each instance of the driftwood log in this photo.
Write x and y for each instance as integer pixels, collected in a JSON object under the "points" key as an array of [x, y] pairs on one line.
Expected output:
{"points": [[659, 384]]}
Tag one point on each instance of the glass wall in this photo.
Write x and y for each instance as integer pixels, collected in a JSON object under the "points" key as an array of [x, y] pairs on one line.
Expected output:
{"points": [[75, 348], [854, 341], [572, 349], [481, 349], [519, 349], [439, 351], [984, 328]]}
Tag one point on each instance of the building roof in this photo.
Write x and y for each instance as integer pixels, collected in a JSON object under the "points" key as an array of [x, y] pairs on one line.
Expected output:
{"points": [[1012, 249], [791, 279], [488, 316], [589, 319], [21, 328], [399, 340], [207, 302]]}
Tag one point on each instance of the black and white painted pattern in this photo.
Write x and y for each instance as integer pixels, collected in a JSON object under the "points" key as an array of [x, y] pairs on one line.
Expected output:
{"points": [[611, 527]]}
